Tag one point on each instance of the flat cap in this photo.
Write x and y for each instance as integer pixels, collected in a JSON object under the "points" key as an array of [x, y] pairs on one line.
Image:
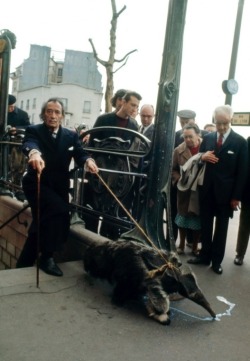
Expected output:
{"points": [[11, 99], [186, 113]]}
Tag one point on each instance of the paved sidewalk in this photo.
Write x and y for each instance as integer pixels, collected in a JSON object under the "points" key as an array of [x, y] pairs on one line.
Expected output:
{"points": [[71, 318]]}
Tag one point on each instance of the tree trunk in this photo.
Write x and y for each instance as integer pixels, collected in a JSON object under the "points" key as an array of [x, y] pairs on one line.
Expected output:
{"points": [[109, 64]]}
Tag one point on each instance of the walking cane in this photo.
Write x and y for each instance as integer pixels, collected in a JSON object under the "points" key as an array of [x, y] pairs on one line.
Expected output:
{"points": [[38, 229]]}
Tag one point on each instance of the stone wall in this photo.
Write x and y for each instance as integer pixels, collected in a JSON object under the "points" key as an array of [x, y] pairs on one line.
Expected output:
{"points": [[13, 234]]}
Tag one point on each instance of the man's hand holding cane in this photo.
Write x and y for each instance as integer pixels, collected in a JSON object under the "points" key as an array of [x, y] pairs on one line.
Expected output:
{"points": [[36, 161]]}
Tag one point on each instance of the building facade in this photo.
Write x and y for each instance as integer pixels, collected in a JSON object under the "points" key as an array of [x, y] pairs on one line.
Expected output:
{"points": [[75, 80]]}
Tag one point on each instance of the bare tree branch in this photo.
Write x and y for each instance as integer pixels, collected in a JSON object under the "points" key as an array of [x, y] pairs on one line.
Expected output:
{"points": [[120, 66], [109, 64], [119, 13], [103, 62], [126, 56]]}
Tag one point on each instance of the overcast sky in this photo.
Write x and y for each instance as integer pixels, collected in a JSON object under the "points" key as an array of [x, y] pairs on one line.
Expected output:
{"points": [[207, 48]]}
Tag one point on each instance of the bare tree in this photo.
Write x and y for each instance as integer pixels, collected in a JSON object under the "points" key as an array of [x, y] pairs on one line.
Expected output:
{"points": [[109, 64]]}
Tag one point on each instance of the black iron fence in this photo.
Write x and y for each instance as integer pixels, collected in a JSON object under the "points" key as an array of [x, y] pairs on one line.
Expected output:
{"points": [[123, 165], [13, 163]]}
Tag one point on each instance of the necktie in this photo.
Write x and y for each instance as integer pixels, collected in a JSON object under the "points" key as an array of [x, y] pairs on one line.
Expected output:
{"points": [[142, 130], [220, 141], [53, 136]]}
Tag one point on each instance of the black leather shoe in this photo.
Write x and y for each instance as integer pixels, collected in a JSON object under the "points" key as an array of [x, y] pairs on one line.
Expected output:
{"points": [[49, 266], [198, 260], [238, 261], [217, 269]]}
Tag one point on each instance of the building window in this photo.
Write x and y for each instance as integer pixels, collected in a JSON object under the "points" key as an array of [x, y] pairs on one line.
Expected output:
{"points": [[34, 103], [87, 107], [27, 104], [59, 72], [65, 103], [21, 105], [33, 118]]}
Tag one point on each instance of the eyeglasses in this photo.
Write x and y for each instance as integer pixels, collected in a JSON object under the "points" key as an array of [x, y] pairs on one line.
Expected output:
{"points": [[222, 124], [146, 116]]}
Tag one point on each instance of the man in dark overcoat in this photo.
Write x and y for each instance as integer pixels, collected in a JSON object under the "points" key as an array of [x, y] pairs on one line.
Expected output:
{"points": [[17, 118]]}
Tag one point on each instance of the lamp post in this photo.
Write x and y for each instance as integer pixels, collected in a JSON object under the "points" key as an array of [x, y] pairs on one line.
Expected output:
{"points": [[230, 86]]}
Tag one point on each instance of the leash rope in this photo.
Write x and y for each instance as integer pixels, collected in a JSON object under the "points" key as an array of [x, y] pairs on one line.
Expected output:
{"points": [[158, 270]]}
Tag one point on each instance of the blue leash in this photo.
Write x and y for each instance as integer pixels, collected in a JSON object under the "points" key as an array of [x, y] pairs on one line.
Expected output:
{"points": [[218, 316]]}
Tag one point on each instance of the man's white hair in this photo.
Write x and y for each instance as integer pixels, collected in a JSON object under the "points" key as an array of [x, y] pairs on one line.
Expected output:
{"points": [[223, 110]]}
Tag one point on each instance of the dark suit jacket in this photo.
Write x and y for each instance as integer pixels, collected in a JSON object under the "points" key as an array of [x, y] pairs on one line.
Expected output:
{"points": [[57, 155], [111, 120], [246, 192], [149, 132], [18, 118], [226, 179]]}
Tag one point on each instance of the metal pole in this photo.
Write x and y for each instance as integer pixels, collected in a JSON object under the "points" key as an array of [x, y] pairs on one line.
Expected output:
{"points": [[5, 54], [232, 68], [165, 121]]}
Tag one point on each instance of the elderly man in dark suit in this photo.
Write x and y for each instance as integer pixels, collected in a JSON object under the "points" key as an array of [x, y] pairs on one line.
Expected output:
{"points": [[50, 149], [225, 154], [147, 117]]}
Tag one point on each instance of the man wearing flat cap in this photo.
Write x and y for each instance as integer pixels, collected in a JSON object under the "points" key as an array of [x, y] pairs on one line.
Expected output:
{"points": [[17, 118], [186, 116]]}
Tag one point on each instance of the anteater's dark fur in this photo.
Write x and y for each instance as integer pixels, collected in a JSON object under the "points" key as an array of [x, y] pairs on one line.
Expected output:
{"points": [[126, 265]]}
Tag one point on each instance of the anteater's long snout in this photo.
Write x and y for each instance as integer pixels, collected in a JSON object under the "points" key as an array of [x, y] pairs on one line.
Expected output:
{"points": [[201, 300]]}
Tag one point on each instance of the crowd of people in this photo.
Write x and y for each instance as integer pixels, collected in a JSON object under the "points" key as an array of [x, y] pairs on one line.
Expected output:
{"points": [[217, 178], [210, 178]]}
